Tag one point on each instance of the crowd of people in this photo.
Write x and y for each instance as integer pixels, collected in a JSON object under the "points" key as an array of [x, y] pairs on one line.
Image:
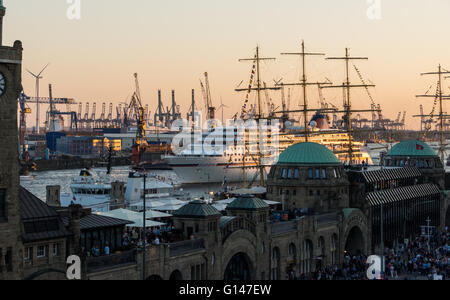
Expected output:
{"points": [[420, 258]]}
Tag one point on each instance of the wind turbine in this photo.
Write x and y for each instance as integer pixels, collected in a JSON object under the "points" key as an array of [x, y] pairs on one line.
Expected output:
{"points": [[222, 106], [37, 77]]}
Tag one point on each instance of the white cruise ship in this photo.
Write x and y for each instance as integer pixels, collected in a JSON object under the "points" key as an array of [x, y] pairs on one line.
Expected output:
{"points": [[229, 165]]}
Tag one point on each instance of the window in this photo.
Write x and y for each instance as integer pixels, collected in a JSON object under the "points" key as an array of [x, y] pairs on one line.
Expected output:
{"points": [[324, 173], [290, 171], [28, 254], [296, 174], [41, 251], [317, 173], [284, 174], [8, 260], [2, 204], [56, 249], [310, 173]]}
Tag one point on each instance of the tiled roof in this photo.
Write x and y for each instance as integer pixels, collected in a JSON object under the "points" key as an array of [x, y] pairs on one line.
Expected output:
{"points": [[95, 221], [40, 221], [34, 208], [198, 209], [247, 202], [390, 174], [402, 193]]}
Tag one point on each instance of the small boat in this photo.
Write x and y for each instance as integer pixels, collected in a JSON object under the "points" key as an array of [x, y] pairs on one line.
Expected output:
{"points": [[90, 191]]}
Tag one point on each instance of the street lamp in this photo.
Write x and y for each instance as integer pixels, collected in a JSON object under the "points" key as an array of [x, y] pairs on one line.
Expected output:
{"points": [[144, 230]]}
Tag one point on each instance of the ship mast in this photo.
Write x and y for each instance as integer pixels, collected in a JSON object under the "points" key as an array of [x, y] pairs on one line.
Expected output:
{"points": [[347, 86], [303, 82], [259, 88], [441, 97]]}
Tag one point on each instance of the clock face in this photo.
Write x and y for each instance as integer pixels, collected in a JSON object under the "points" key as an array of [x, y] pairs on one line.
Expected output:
{"points": [[2, 84]]}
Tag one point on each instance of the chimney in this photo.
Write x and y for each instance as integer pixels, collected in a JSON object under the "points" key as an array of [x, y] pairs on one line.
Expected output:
{"points": [[75, 215], [118, 194], [53, 195]]}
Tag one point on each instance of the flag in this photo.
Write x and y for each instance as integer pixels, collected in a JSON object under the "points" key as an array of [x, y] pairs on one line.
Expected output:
{"points": [[419, 147]]}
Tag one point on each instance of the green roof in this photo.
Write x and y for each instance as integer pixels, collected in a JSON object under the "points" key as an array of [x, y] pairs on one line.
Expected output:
{"points": [[247, 202], [348, 211], [411, 148], [225, 220], [197, 209], [308, 154]]}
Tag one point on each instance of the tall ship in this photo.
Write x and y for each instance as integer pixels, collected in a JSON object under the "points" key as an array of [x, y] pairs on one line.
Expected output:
{"points": [[235, 163]]}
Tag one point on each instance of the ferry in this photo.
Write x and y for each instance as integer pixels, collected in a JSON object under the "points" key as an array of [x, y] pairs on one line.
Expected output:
{"points": [[93, 191]]}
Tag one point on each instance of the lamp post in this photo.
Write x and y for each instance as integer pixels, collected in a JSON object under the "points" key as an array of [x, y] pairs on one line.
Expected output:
{"points": [[144, 231]]}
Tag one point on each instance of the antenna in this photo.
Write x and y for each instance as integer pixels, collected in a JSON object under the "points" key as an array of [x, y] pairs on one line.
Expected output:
{"points": [[37, 77]]}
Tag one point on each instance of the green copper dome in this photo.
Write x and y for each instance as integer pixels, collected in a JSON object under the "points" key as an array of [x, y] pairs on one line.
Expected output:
{"points": [[308, 154], [197, 209], [411, 148], [247, 202]]}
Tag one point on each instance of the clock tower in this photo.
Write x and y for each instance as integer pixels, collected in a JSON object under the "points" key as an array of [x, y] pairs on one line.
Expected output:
{"points": [[11, 248]]}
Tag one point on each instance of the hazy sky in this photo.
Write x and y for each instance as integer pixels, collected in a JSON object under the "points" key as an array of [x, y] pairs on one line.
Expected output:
{"points": [[171, 43]]}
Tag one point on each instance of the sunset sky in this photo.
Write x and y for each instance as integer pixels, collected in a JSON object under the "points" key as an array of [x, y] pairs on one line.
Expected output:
{"points": [[171, 43]]}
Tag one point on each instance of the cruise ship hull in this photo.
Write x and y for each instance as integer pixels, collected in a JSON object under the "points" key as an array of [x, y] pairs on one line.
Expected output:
{"points": [[210, 170]]}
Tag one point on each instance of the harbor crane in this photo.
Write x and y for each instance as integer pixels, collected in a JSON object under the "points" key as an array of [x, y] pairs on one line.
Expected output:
{"points": [[209, 108], [139, 111]]}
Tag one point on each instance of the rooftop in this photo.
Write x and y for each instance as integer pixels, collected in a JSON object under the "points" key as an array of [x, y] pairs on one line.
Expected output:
{"points": [[197, 209], [247, 202], [411, 148], [308, 154]]}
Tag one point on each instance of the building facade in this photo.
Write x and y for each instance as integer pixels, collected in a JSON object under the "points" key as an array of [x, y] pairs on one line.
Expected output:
{"points": [[11, 247]]}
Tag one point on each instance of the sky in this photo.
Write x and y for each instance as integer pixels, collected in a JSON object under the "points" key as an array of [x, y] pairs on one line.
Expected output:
{"points": [[171, 43]]}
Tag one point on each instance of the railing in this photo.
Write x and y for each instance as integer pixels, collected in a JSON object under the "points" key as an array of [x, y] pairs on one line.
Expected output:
{"points": [[283, 227], [110, 261], [238, 224], [184, 247]]}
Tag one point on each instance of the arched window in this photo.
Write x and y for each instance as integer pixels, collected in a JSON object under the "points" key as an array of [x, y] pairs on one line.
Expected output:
{"points": [[306, 257], [276, 268]]}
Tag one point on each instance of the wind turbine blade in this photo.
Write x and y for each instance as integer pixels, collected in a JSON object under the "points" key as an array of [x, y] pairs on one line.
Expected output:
{"points": [[32, 74], [43, 69]]}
